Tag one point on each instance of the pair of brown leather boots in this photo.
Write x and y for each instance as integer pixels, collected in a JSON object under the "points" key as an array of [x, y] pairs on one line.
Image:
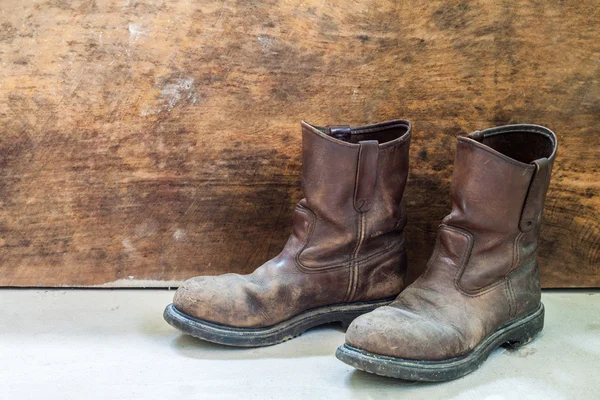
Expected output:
{"points": [[346, 259]]}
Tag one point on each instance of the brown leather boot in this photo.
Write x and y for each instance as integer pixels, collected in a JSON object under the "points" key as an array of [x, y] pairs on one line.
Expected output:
{"points": [[345, 256], [481, 288]]}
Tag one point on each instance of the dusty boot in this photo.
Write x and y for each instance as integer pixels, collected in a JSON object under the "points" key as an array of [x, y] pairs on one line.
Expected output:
{"points": [[345, 256], [481, 287]]}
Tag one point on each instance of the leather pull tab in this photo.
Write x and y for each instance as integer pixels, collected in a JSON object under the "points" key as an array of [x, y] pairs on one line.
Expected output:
{"points": [[366, 175], [341, 132], [534, 202]]}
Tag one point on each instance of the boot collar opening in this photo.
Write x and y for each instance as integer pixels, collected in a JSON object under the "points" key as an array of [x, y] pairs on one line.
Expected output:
{"points": [[523, 142], [384, 133]]}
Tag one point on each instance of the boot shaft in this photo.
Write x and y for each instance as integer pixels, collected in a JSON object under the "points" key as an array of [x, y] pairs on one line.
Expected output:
{"points": [[353, 181], [498, 189], [501, 175]]}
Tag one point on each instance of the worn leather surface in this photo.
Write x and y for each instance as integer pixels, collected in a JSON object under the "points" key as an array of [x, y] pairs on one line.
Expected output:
{"points": [[347, 242], [483, 272]]}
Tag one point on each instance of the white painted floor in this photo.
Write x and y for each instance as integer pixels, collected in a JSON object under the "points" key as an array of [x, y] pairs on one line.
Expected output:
{"points": [[114, 344]]}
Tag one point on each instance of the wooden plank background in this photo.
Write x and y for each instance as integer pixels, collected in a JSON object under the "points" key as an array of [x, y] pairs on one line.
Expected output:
{"points": [[144, 142]]}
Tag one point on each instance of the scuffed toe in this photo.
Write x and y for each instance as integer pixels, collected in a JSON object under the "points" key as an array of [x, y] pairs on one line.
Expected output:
{"points": [[212, 298], [189, 296], [399, 333]]}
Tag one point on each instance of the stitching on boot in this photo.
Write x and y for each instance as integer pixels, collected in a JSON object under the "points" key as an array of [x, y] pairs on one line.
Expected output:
{"points": [[311, 229], [507, 296], [355, 266], [353, 283], [494, 285], [516, 266], [328, 268], [511, 299], [350, 284], [461, 270], [350, 287], [464, 263], [516, 254], [351, 267], [491, 286]]}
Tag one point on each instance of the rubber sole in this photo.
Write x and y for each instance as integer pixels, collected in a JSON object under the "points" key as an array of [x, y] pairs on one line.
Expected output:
{"points": [[258, 337], [513, 335]]}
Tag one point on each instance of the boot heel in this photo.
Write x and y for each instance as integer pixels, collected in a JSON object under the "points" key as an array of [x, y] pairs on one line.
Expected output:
{"points": [[526, 330]]}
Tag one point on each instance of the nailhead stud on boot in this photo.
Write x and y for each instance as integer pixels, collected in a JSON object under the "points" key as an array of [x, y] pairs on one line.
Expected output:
{"points": [[481, 288], [345, 256]]}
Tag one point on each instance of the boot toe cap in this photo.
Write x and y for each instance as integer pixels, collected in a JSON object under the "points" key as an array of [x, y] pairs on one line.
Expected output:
{"points": [[207, 298], [398, 333]]}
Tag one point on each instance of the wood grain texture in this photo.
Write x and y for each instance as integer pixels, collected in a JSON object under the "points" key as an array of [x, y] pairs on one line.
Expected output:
{"points": [[144, 142]]}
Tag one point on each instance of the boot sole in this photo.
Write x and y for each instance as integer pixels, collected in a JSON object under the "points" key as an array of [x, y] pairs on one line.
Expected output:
{"points": [[258, 337], [512, 335]]}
